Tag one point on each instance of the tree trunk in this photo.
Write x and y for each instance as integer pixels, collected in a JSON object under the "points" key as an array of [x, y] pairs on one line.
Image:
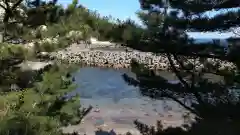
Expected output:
{"points": [[5, 22]]}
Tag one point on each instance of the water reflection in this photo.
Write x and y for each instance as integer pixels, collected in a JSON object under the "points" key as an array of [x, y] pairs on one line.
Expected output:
{"points": [[116, 104], [100, 83], [104, 83]]}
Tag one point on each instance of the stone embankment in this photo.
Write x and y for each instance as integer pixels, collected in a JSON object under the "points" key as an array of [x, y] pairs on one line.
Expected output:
{"points": [[120, 58]]}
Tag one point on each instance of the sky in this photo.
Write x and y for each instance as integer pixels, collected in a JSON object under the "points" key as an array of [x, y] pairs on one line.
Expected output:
{"points": [[121, 9], [124, 9]]}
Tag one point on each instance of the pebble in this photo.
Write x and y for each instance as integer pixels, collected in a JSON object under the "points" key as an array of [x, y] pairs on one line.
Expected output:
{"points": [[97, 110], [160, 114], [122, 59], [146, 114]]}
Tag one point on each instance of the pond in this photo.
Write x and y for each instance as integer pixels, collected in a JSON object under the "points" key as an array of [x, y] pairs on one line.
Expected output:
{"points": [[116, 104], [98, 83]]}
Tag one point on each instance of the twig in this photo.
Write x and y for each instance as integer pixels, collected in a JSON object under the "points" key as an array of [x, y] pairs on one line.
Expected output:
{"points": [[3, 7], [236, 33], [16, 4], [182, 104], [177, 71]]}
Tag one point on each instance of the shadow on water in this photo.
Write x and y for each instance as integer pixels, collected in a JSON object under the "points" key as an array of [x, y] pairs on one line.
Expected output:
{"points": [[95, 83], [115, 103]]}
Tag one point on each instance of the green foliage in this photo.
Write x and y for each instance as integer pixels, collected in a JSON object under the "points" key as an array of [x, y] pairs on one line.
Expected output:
{"points": [[11, 16], [47, 47], [55, 30], [40, 104], [7, 51], [214, 103], [75, 17], [71, 7], [64, 42], [42, 109], [10, 56]]}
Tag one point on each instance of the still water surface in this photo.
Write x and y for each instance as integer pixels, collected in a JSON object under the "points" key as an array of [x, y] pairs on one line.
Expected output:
{"points": [[98, 83], [117, 105]]}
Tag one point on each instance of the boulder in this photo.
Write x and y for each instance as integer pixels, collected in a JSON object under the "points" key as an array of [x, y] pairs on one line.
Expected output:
{"points": [[34, 66]]}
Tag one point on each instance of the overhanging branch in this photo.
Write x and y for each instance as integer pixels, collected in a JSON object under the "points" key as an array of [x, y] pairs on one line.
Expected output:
{"points": [[16, 4], [3, 7], [182, 104], [176, 71], [187, 86]]}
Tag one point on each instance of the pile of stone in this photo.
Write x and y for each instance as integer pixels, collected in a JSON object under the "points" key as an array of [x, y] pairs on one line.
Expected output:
{"points": [[122, 59]]}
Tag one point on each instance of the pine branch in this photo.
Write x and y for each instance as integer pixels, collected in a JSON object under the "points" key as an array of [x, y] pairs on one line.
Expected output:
{"points": [[236, 32], [3, 7], [187, 86], [176, 71], [182, 104], [181, 64], [17, 4], [215, 23], [195, 6], [7, 4]]}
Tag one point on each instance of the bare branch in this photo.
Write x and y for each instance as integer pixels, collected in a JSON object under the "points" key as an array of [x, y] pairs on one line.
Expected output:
{"points": [[193, 75], [181, 103], [17, 4], [236, 32], [181, 64], [7, 4], [176, 71], [3, 7], [188, 88]]}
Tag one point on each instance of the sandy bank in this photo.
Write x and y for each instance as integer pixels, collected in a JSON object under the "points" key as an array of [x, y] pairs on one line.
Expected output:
{"points": [[120, 116]]}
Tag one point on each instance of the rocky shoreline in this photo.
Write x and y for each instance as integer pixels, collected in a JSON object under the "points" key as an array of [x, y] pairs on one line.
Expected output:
{"points": [[120, 116], [93, 55]]}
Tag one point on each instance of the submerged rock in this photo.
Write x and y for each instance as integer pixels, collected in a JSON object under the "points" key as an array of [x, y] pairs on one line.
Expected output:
{"points": [[99, 122]]}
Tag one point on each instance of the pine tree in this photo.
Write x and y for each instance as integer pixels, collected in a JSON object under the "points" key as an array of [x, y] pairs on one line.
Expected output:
{"points": [[215, 104], [12, 15], [10, 57], [44, 108], [41, 12]]}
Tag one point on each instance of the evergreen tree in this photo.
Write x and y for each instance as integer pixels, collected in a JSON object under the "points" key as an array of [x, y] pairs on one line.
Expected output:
{"points": [[44, 108], [10, 57], [41, 12], [215, 104], [12, 16]]}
